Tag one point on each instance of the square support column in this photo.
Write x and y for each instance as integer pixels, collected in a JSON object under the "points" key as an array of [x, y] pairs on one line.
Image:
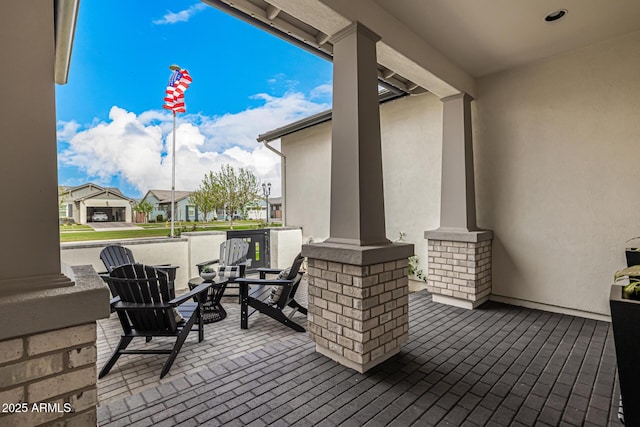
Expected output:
{"points": [[358, 280], [47, 338], [358, 301], [459, 271], [357, 192]]}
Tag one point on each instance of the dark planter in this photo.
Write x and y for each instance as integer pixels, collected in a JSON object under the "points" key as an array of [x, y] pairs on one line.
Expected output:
{"points": [[633, 256], [625, 319]]}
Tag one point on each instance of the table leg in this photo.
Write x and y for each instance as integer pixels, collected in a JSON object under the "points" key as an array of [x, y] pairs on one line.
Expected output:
{"points": [[244, 306]]}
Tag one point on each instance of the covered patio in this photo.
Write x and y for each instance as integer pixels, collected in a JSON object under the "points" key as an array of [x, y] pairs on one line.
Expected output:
{"points": [[534, 175], [498, 365]]}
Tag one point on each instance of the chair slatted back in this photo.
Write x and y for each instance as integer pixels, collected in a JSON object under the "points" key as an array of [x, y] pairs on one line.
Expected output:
{"points": [[114, 256], [233, 251], [289, 291], [145, 286]]}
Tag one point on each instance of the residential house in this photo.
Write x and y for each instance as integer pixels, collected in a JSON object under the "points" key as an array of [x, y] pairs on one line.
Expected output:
{"points": [[161, 202], [256, 210], [86, 202], [275, 208]]}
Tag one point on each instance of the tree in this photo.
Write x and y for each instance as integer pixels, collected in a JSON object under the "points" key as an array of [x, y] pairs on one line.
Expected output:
{"points": [[144, 208], [62, 192], [235, 190], [204, 198]]}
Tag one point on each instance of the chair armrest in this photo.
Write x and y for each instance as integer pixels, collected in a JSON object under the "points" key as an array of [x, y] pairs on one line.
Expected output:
{"points": [[169, 269], [119, 305], [253, 281], [269, 270], [194, 292], [213, 261], [264, 271], [114, 300], [246, 262], [166, 266]]}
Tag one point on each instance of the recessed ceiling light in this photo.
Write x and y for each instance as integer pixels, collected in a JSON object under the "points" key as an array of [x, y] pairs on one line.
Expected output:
{"points": [[555, 15]]}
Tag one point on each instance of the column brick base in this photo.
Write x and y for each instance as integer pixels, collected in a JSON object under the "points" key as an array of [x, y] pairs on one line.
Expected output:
{"points": [[48, 377], [459, 271], [358, 314]]}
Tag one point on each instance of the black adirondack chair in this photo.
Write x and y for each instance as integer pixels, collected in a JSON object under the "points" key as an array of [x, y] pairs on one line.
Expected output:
{"points": [[232, 262], [272, 296], [145, 309], [113, 256]]}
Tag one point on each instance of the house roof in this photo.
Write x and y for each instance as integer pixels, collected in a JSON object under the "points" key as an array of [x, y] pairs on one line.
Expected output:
{"points": [[316, 119], [71, 193], [164, 196]]}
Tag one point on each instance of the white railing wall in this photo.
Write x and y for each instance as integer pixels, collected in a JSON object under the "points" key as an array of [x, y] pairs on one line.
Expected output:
{"points": [[186, 251]]}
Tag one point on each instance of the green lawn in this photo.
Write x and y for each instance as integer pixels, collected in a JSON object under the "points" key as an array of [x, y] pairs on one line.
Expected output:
{"points": [[149, 230]]}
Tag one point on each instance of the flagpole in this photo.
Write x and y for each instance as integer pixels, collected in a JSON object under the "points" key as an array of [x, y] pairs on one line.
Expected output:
{"points": [[178, 83], [173, 175]]}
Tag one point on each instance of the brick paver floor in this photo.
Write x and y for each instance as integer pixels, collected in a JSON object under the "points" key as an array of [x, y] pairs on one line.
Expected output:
{"points": [[498, 365]]}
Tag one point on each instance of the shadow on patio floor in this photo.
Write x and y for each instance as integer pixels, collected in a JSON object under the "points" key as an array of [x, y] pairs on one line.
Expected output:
{"points": [[497, 365]]}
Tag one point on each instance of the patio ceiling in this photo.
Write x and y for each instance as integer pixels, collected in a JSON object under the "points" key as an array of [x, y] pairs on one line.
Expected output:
{"points": [[442, 46], [484, 37]]}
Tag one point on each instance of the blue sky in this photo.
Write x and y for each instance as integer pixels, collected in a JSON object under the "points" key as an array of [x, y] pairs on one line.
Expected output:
{"points": [[112, 129]]}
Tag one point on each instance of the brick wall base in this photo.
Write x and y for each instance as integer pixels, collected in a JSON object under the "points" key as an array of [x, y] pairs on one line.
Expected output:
{"points": [[358, 314], [49, 378], [459, 271]]}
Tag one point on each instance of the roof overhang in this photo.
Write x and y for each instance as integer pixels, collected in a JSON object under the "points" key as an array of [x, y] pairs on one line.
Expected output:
{"points": [[278, 22], [66, 16]]}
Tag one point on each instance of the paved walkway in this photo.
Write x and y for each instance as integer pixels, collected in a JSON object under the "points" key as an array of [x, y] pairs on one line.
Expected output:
{"points": [[495, 366], [113, 226]]}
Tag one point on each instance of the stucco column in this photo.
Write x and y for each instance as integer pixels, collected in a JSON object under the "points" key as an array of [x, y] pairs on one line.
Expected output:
{"points": [[48, 319], [358, 284], [459, 253], [357, 198], [458, 203]]}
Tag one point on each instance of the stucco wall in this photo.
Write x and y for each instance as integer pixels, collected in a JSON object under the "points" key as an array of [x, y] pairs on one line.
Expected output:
{"points": [[411, 130], [145, 251], [308, 154], [556, 149], [187, 251], [284, 245]]}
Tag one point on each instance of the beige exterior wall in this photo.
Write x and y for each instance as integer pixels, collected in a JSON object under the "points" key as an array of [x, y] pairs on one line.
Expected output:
{"points": [[308, 154], [411, 130], [556, 149], [555, 145]]}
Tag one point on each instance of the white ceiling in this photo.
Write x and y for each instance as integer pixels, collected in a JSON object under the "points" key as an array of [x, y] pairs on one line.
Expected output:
{"points": [[485, 36]]}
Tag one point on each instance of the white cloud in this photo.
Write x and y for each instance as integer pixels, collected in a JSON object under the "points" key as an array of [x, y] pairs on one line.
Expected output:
{"points": [[182, 16], [241, 129], [66, 130], [322, 91], [138, 147]]}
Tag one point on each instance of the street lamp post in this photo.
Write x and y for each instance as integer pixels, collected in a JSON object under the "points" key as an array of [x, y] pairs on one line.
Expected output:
{"points": [[266, 190]]}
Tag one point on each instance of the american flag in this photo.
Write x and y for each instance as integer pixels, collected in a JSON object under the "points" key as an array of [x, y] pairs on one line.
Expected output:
{"points": [[174, 97]]}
